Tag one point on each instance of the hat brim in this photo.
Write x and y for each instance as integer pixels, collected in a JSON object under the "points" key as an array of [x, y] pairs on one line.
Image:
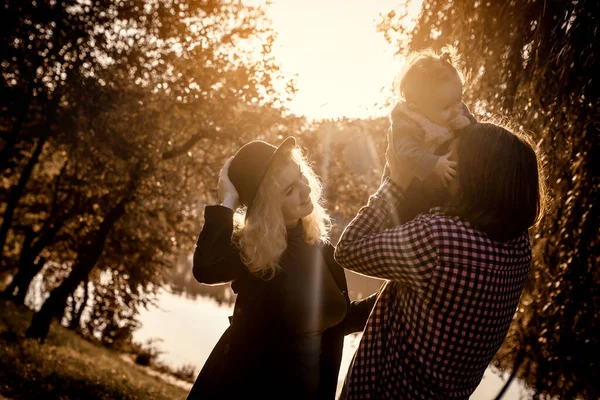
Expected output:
{"points": [[285, 145]]}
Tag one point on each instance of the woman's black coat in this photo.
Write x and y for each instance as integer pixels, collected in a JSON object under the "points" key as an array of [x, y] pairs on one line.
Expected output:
{"points": [[254, 358]]}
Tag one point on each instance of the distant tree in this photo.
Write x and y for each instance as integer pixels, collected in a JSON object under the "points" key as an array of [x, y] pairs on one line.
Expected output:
{"points": [[110, 319], [42, 224], [535, 62], [349, 158]]}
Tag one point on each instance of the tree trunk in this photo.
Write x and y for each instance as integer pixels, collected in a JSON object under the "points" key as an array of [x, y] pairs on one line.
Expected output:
{"points": [[24, 281], [21, 116], [7, 293], [17, 192], [20, 276], [15, 195], [14, 284], [54, 306], [73, 310], [76, 316], [513, 374], [28, 268]]}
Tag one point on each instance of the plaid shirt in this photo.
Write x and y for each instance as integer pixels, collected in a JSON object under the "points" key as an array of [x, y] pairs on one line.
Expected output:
{"points": [[446, 308]]}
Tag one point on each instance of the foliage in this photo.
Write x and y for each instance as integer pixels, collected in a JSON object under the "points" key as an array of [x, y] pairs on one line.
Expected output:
{"points": [[68, 367], [348, 155], [147, 353], [132, 106], [185, 372], [534, 63]]}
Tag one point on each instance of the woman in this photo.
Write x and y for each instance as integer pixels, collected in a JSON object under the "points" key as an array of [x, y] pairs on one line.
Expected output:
{"points": [[455, 274], [292, 309]]}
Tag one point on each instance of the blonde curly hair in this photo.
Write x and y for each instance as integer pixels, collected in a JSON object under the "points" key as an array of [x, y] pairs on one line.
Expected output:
{"points": [[261, 234]]}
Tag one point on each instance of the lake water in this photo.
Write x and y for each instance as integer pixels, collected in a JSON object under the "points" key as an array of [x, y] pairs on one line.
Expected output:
{"points": [[189, 328]]}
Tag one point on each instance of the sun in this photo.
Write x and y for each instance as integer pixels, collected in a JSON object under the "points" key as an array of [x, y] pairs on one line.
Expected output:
{"points": [[342, 66]]}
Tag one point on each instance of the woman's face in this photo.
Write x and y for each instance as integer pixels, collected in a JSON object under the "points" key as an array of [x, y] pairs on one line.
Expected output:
{"points": [[296, 202]]}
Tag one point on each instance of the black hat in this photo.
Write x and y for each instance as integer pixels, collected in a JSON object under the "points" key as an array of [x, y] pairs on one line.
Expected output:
{"points": [[250, 164]]}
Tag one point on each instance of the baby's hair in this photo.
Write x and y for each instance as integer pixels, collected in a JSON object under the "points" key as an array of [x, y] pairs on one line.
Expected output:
{"points": [[425, 71], [445, 56]]}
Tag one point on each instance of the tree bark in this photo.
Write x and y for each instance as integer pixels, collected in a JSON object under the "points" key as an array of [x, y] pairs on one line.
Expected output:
{"points": [[17, 192], [22, 113], [28, 267], [24, 279], [76, 316], [184, 148], [513, 374], [7, 293], [14, 283], [54, 306]]}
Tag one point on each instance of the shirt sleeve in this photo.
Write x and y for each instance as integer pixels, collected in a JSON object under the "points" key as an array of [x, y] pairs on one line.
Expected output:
{"points": [[359, 312], [409, 147], [375, 244], [215, 258]]}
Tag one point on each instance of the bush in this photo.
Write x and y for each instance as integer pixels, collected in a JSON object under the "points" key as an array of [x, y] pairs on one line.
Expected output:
{"points": [[148, 352]]}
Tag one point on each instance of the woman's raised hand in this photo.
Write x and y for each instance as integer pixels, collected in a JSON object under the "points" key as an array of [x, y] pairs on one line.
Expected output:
{"points": [[226, 191]]}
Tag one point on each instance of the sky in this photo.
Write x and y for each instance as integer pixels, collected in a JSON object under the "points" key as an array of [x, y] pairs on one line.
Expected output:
{"points": [[341, 61]]}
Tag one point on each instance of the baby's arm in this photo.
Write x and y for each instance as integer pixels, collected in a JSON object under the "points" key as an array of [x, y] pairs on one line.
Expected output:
{"points": [[445, 169]]}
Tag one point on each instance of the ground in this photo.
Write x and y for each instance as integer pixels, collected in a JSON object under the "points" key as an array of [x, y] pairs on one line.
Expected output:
{"points": [[68, 367]]}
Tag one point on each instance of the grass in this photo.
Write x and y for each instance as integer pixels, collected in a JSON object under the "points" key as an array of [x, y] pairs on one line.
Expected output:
{"points": [[68, 367]]}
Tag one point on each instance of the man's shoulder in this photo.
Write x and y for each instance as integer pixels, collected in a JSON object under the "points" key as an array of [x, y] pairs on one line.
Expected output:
{"points": [[458, 241], [445, 224]]}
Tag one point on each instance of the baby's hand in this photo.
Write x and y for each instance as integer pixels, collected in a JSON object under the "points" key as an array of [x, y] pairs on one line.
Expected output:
{"points": [[459, 122], [445, 169]]}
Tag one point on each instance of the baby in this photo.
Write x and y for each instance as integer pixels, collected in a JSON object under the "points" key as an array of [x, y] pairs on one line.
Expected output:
{"points": [[430, 112]]}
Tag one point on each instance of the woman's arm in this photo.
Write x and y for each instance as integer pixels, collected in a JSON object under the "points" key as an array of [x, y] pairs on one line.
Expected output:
{"points": [[359, 312], [375, 244], [215, 259]]}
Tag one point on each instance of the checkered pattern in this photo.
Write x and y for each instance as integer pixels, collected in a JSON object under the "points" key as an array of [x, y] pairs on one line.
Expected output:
{"points": [[446, 308]]}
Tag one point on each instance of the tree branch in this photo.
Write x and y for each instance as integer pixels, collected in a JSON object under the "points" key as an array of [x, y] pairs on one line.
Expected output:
{"points": [[177, 151]]}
